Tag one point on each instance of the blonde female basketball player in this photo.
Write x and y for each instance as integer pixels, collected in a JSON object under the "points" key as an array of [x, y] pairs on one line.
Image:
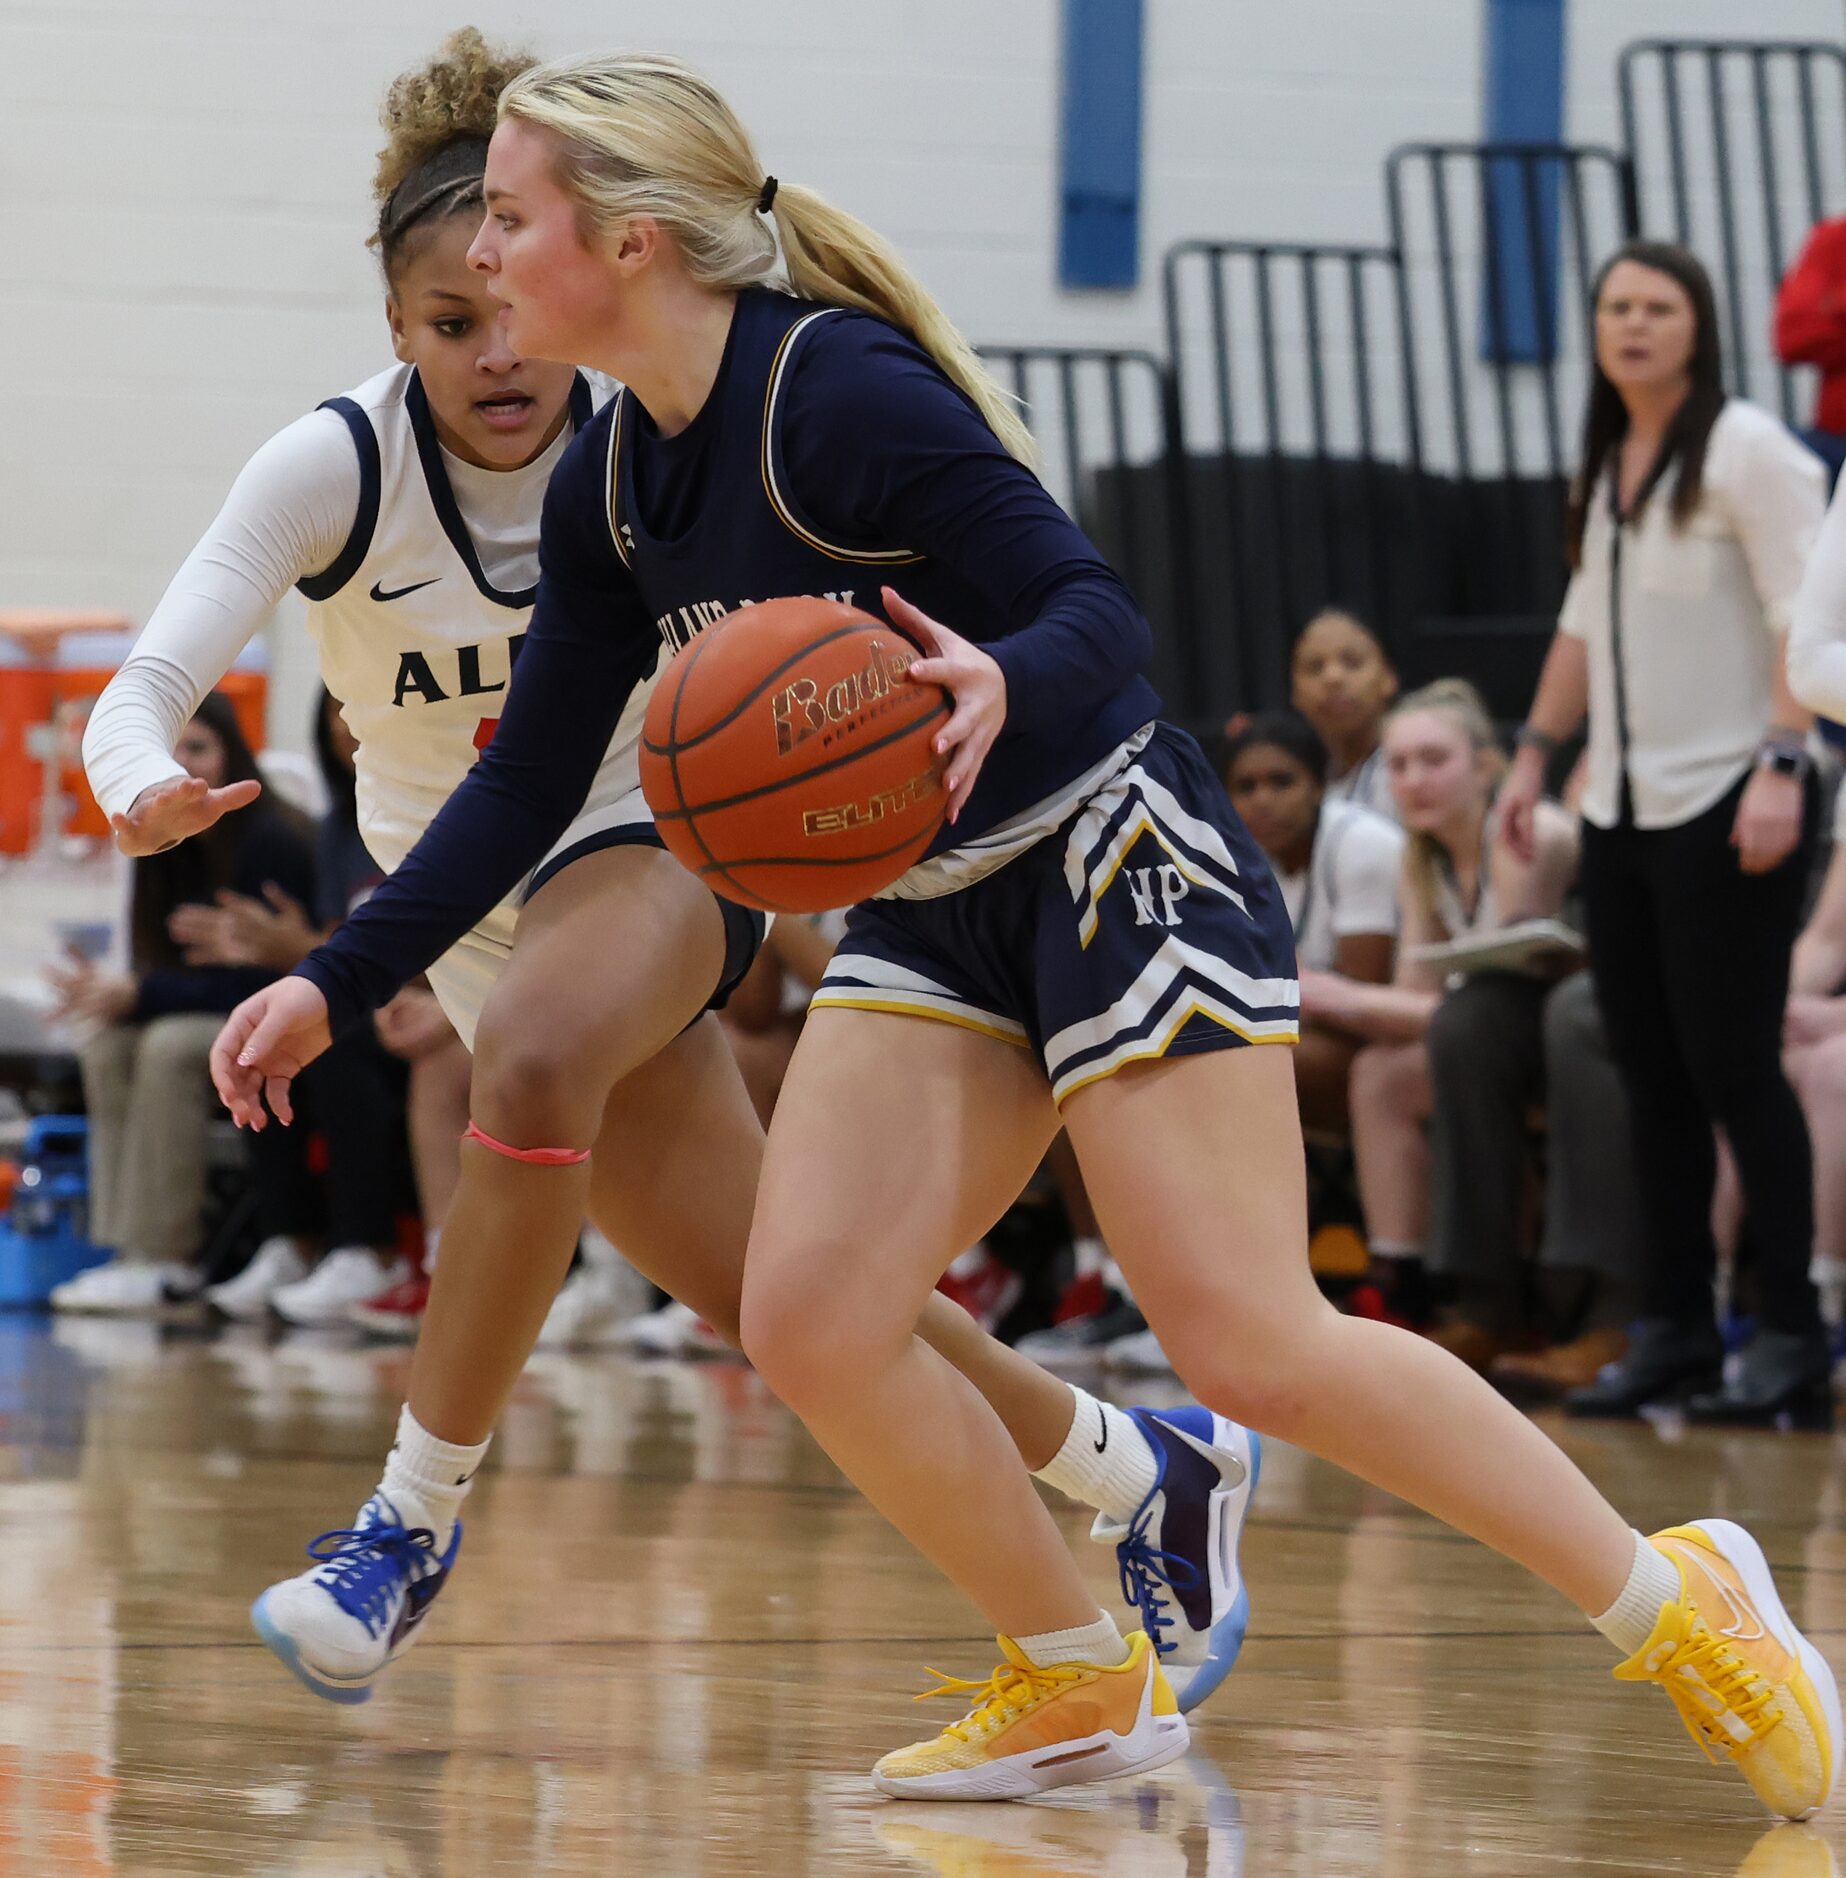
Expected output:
{"points": [[409, 515], [1095, 940]]}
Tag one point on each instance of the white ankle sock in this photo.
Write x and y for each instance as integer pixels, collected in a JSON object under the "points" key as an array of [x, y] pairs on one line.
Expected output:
{"points": [[429, 1478], [1100, 1643], [1653, 1583], [1105, 1461]]}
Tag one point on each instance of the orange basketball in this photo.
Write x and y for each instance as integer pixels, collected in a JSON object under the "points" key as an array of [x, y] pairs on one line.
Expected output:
{"points": [[786, 756]]}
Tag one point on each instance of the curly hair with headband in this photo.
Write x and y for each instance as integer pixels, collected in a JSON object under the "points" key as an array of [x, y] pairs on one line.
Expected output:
{"points": [[437, 119]]}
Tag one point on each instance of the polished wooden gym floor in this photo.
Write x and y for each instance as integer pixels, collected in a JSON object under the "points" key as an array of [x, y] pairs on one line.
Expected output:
{"points": [[677, 1641]]}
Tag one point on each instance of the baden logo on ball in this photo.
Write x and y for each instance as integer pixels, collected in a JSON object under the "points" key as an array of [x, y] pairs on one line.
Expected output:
{"points": [[802, 710], [787, 758]]}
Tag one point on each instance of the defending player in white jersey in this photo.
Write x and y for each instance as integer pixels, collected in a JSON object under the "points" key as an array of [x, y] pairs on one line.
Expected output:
{"points": [[409, 514]]}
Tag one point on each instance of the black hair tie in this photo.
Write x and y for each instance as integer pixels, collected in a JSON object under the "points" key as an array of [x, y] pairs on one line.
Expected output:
{"points": [[767, 199]]}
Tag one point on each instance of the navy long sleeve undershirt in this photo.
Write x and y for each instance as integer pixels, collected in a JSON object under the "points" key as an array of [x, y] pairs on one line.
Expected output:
{"points": [[879, 446], [904, 456]]}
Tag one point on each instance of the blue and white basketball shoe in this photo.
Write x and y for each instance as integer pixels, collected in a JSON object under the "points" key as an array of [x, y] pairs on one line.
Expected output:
{"points": [[361, 1606], [1178, 1555]]}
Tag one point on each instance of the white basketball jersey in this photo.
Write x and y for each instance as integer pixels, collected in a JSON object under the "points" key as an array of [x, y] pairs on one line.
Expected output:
{"points": [[416, 641]]}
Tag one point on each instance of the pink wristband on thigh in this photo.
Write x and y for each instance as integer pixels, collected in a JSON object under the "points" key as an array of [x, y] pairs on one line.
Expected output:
{"points": [[538, 1157]]}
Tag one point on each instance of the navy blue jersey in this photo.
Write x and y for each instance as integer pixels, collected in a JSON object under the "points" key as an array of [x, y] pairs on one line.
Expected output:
{"points": [[832, 457]]}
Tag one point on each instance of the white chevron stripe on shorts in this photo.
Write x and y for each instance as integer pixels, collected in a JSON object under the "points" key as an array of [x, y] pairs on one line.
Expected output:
{"points": [[1139, 1049], [1197, 849], [858, 981], [1239, 997]]}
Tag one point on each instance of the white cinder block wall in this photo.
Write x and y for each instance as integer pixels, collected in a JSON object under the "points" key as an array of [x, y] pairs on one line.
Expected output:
{"points": [[186, 184]]}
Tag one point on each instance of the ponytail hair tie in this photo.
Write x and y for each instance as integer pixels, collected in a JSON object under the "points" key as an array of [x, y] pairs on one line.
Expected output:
{"points": [[766, 200]]}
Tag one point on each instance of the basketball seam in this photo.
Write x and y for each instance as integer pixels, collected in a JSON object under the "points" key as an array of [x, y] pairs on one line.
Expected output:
{"points": [[769, 678], [687, 810], [712, 865], [671, 753], [816, 860]]}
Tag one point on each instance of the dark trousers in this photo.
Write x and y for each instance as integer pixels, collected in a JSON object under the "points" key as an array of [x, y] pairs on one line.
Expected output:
{"points": [[1592, 1197], [1692, 958], [1500, 1045], [1486, 1069], [353, 1098]]}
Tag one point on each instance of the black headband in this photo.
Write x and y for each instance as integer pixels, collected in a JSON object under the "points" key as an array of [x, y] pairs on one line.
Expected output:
{"points": [[443, 181], [767, 200]]}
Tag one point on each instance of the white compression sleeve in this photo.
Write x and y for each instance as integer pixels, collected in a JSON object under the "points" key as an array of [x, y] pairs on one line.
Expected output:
{"points": [[1817, 639], [288, 515]]}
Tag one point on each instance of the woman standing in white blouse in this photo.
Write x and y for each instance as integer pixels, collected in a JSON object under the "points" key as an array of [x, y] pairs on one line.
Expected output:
{"points": [[1690, 523]]}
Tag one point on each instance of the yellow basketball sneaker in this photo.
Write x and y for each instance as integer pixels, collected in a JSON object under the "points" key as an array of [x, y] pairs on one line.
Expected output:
{"points": [[1033, 1729], [1746, 1682]]}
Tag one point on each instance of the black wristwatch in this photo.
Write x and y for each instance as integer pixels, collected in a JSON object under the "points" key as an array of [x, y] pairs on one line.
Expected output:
{"points": [[1784, 758]]}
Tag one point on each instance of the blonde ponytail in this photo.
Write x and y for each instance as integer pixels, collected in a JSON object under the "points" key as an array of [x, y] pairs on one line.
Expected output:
{"points": [[833, 256], [642, 134]]}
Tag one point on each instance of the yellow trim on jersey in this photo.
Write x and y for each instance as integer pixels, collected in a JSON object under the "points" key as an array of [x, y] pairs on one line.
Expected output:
{"points": [[883, 557], [1157, 1050], [830, 1001], [1140, 823], [615, 471]]}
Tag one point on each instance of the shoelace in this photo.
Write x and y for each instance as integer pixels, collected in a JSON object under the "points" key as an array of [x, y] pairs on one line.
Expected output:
{"points": [[361, 1565], [1723, 1702], [1006, 1694], [1144, 1569]]}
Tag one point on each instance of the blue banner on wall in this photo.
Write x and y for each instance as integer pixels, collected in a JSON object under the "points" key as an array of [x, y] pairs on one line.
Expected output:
{"points": [[1099, 219], [1524, 105]]}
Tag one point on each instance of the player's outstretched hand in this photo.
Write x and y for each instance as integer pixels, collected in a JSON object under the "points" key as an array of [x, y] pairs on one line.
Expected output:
{"points": [[265, 1044], [977, 690], [165, 814]]}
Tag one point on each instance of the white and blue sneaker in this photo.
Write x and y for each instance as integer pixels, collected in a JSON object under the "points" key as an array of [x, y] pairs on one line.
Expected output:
{"points": [[1178, 1555], [361, 1606]]}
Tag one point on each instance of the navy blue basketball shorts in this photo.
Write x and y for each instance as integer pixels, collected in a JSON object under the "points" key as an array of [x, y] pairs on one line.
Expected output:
{"points": [[745, 928], [1148, 925]]}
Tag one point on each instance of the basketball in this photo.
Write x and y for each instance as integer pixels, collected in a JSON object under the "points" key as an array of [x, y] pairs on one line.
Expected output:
{"points": [[786, 756]]}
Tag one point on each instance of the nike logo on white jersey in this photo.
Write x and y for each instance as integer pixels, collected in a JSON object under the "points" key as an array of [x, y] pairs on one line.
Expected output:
{"points": [[397, 593]]}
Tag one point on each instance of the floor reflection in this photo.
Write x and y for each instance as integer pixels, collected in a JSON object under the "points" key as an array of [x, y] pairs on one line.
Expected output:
{"points": [[676, 1641]]}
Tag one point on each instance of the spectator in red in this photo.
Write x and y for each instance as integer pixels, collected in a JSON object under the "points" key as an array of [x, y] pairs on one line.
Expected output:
{"points": [[1810, 329]]}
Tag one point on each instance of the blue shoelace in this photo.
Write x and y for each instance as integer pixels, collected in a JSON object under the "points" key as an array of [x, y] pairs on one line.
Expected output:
{"points": [[368, 1563], [1144, 1570]]}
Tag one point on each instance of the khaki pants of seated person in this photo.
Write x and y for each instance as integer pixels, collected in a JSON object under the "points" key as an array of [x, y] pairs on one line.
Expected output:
{"points": [[149, 1092]]}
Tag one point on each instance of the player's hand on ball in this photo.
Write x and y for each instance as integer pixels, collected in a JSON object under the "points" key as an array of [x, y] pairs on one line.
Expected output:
{"points": [[265, 1044], [977, 690], [166, 814]]}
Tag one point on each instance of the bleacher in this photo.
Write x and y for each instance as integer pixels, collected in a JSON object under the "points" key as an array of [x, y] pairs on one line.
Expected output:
{"points": [[1390, 426]]}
